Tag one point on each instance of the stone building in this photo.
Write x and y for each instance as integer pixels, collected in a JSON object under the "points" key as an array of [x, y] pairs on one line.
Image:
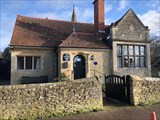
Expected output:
{"points": [[77, 50]]}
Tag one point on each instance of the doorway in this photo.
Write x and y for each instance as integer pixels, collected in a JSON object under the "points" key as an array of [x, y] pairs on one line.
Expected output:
{"points": [[79, 67]]}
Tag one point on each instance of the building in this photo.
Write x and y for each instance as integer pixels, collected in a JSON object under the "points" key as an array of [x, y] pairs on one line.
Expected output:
{"points": [[76, 50]]}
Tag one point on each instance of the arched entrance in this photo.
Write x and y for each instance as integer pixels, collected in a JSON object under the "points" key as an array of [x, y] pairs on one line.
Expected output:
{"points": [[79, 67]]}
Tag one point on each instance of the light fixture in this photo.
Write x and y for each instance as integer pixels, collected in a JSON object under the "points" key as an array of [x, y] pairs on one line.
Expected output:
{"points": [[92, 57]]}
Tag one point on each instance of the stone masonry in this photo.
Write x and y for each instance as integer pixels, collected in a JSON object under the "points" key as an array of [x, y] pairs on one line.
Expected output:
{"points": [[44, 100], [144, 90], [130, 31], [48, 66]]}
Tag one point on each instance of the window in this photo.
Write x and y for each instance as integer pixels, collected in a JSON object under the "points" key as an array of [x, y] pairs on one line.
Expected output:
{"points": [[20, 62], [66, 57], [28, 62], [37, 63], [131, 56]]}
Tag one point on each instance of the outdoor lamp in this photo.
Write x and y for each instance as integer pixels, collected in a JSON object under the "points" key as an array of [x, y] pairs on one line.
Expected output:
{"points": [[92, 57]]}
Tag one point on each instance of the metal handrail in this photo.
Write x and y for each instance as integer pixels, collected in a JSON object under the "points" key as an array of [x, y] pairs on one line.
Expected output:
{"points": [[98, 72]]}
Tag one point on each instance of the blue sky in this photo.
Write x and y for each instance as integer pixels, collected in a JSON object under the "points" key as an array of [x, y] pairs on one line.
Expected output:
{"points": [[147, 10]]}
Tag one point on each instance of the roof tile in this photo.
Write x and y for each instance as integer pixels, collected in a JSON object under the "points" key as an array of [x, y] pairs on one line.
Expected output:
{"points": [[40, 32]]}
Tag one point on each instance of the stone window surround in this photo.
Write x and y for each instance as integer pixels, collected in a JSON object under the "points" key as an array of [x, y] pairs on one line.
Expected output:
{"points": [[33, 60], [66, 57], [134, 55]]}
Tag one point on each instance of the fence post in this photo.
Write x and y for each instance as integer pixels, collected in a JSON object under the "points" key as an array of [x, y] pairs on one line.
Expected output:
{"points": [[128, 80]]}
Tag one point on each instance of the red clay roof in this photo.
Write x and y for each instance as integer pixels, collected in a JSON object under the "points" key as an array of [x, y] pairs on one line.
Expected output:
{"points": [[83, 40], [39, 32]]}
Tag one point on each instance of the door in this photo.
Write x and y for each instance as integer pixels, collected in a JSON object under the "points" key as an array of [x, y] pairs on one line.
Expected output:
{"points": [[79, 67]]}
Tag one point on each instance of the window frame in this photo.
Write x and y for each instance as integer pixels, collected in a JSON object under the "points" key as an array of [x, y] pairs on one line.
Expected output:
{"points": [[32, 62], [134, 56]]}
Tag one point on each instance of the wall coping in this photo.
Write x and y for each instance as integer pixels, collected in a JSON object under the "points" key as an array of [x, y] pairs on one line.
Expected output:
{"points": [[55, 83], [152, 79], [134, 77]]}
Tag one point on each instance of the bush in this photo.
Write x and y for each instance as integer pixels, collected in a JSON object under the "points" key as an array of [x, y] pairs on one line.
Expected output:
{"points": [[103, 87]]}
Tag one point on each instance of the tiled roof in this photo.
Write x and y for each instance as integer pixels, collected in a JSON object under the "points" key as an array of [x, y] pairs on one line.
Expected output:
{"points": [[39, 32], [83, 40]]}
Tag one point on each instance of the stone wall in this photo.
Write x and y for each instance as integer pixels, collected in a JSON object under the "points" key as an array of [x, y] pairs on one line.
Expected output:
{"points": [[144, 90], [50, 99]]}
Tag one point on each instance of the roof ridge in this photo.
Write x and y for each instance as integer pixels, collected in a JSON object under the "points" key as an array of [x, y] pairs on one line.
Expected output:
{"points": [[54, 20]]}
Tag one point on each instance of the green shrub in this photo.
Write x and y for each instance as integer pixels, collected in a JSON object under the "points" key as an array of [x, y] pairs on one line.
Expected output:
{"points": [[103, 87]]}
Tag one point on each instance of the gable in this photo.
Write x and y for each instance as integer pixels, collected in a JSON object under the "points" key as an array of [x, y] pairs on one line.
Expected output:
{"points": [[130, 28]]}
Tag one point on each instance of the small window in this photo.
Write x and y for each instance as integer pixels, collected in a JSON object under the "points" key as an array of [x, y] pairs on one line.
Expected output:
{"points": [[131, 61], [126, 62], [142, 50], [37, 63], [20, 62], [137, 62], [119, 50], [130, 50], [66, 57], [125, 51], [29, 62], [137, 50], [119, 61]]}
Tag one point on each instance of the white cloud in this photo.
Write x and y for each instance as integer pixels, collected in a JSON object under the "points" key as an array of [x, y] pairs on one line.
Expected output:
{"points": [[108, 21], [153, 3], [152, 20], [122, 5], [158, 9], [108, 8], [87, 13], [58, 4], [84, 15], [55, 4], [52, 15]]}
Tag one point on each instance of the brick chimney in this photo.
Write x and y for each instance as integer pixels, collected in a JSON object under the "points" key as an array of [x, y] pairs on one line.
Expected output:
{"points": [[98, 15]]}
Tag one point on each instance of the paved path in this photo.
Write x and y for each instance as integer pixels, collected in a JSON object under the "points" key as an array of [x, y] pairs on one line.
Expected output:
{"points": [[117, 111]]}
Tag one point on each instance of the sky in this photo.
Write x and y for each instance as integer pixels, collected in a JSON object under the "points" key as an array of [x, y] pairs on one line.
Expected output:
{"points": [[147, 10]]}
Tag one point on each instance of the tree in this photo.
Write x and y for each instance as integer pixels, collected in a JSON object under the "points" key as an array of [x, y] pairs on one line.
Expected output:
{"points": [[155, 47], [6, 55]]}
